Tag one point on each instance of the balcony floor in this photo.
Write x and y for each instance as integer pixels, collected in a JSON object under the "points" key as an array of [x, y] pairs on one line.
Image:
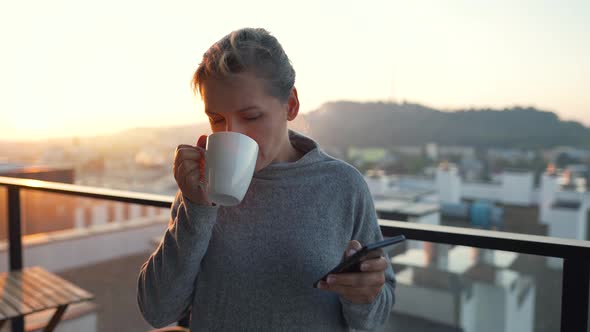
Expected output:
{"points": [[114, 284]]}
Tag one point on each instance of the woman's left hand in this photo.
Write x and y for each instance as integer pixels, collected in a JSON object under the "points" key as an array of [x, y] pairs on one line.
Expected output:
{"points": [[359, 287]]}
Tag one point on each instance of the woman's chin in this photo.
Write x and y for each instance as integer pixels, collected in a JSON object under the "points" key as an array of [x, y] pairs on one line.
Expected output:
{"points": [[259, 166]]}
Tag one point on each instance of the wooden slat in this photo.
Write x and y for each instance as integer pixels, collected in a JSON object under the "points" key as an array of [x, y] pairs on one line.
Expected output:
{"points": [[50, 284], [6, 310], [30, 297], [64, 296], [2, 313], [40, 292], [17, 303], [66, 284], [17, 293], [12, 296], [56, 295], [35, 289]]}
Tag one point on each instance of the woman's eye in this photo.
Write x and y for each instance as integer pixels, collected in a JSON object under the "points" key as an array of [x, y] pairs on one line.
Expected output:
{"points": [[217, 120]]}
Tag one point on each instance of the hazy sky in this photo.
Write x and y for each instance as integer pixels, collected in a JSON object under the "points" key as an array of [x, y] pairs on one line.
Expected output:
{"points": [[72, 67]]}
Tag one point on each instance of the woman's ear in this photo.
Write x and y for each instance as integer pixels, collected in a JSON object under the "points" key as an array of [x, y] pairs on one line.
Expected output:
{"points": [[292, 105]]}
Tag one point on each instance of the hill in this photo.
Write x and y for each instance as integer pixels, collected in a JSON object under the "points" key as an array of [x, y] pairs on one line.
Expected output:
{"points": [[391, 124]]}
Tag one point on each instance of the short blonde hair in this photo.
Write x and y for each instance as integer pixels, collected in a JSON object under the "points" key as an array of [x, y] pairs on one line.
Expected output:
{"points": [[248, 50]]}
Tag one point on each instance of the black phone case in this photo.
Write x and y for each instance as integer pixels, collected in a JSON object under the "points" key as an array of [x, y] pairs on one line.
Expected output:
{"points": [[353, 263]]}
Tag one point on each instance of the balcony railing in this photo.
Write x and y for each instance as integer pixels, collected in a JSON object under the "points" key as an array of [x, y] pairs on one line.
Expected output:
{"points": [[575, 254]]}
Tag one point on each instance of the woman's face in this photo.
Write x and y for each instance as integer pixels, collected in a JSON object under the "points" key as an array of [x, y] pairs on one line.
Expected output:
{"points": [[241, 104]]}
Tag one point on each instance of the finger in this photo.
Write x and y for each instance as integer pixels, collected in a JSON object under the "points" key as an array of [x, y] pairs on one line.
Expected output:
{"points": [[374, 265], [187, 167], [191, 158], [202, 141], [202, 166], [354, 244], [374, 254], [187, 152], [190, 179], [358, 279], [356, 295], [345, 291], [187, 155], [352, 247], [182, 148], [184, 169]]}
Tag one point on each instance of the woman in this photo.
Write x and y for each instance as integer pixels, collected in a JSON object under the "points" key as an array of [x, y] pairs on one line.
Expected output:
{"points": [[251, 267]]}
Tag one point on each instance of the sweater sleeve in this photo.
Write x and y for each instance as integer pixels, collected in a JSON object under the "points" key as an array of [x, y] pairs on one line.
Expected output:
{"points": [[366, 230], [167, 280]]}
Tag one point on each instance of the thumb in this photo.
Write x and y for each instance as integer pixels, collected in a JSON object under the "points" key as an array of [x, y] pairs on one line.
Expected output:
{"points": [[202, 142], [352, 247]]}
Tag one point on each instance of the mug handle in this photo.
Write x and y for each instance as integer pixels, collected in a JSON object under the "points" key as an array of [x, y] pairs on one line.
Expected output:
{"points": [[202, 177], [201, 146], [202, 166]]}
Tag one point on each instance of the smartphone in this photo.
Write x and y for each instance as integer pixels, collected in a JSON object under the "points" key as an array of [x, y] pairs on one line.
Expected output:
{"points": [[353, 263]]}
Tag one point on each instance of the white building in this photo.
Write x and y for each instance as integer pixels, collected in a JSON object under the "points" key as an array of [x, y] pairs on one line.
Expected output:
{"points": [[472, 290], [514, 188], [378, 183], [562, 207], [547, 194], [448, 184], [401, 210], [565, 212], [517, 188], [432, 151], [410, 211], [567, 220]]}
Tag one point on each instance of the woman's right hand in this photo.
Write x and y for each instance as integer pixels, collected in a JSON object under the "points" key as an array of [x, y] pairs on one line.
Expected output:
{"points": [[189, 171]]}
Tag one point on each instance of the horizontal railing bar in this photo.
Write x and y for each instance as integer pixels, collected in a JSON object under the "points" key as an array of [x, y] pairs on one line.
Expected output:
{"points": [[90, 192], [506, 241], [515, 242]]}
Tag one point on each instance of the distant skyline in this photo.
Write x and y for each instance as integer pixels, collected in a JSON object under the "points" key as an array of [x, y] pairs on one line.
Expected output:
{"points": [[72, 68]]}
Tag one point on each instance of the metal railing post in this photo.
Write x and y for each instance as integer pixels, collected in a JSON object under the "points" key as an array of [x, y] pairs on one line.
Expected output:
{"points": [[574, 295], [15, 257]]}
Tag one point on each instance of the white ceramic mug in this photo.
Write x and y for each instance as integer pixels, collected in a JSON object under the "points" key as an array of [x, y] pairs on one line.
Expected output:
{"points": [[230, 159]]}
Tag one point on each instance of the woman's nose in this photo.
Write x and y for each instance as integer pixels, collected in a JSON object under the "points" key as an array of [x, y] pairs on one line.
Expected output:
{"points": [[229, 126], [233, 126]]}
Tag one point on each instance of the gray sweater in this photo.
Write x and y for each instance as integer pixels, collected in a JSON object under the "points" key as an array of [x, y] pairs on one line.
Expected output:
{"points": [[252, 267]]}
